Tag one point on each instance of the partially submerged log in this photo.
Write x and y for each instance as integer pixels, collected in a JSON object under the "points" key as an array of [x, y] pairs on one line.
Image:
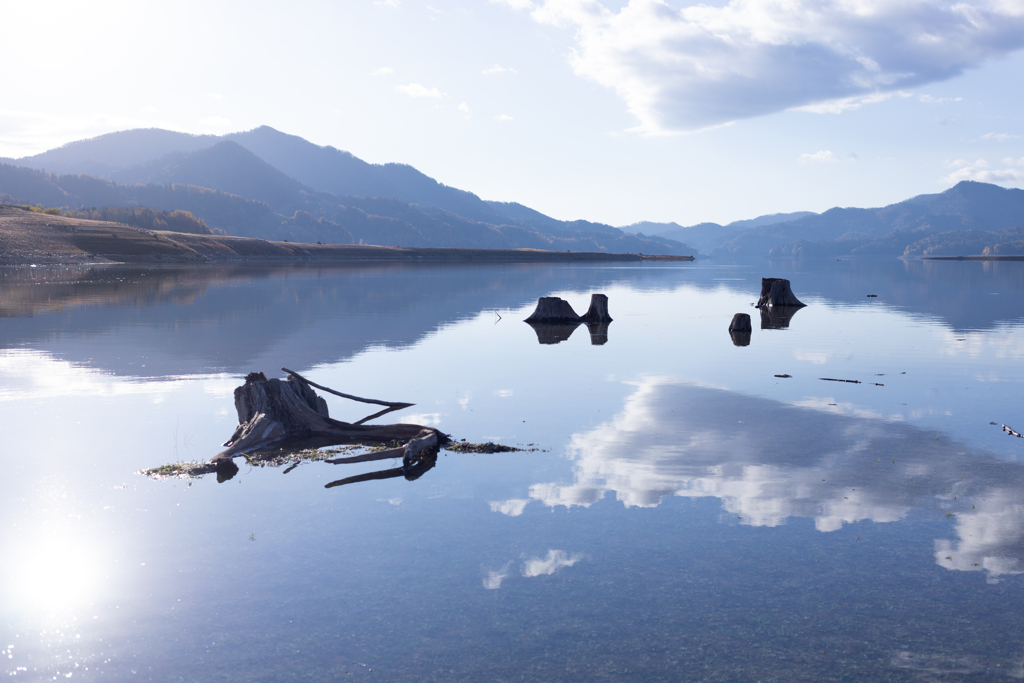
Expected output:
{"points": [[276, 414], [418, 456], [776, 291]]}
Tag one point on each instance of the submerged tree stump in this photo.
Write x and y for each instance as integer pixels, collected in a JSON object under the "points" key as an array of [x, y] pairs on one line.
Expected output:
{"points": [[288, 414], [740, 329], [598, 311], [554, 320], [740, 323], [553, 309], [775, 291]]}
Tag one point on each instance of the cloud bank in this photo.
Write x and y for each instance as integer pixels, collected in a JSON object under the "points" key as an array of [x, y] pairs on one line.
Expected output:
{"points": [[701, 66]]}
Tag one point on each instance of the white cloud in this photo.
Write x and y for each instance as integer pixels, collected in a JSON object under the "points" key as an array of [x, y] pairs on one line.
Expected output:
{"points": [[702, 66], [515, 4], [928, 99], [821, 155], [1010, 161], [417, 90], [502, 117], [555, 560], [838, 106], [464, 108], [383, 71], [434, 10], [1000, 137], [394, 4], [498, 69], [981, 172]]}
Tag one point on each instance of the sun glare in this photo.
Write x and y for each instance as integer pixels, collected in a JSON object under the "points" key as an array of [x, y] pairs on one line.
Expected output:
{"points": [[54, 571]]}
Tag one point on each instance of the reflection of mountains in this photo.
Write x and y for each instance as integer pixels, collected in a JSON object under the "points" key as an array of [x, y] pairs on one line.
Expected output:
{"points": [[768, 461], [185, 320], [958, 293]]}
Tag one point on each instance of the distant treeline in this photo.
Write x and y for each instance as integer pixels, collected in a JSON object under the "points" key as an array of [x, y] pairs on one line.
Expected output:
{"points": [[148, 219]]}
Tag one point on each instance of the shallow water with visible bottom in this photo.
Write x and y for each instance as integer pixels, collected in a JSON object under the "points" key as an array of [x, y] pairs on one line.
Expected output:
{"points": [[685, 508]]}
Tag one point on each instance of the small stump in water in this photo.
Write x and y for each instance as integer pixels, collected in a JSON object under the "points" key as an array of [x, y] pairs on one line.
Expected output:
{"points": [[740, 329]]}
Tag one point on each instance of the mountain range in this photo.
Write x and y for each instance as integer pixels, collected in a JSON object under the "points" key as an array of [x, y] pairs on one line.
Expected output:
{"points": [[969, 218], [268, 184]]}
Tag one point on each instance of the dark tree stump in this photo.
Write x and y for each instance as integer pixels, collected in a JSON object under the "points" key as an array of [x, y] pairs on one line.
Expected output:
{"points": [[552, 309], [740, 323], [287, 414], [775, 291], [598, 311]]}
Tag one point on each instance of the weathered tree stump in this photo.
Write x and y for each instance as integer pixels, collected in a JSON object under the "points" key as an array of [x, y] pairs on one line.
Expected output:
{"points": [[740, 323], [287, 414], [552, 309], [598, 311], [740, 329], [775, 291]]}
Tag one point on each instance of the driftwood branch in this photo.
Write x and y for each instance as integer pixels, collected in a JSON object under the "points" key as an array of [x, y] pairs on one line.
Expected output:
{"points": [[389, 404]]}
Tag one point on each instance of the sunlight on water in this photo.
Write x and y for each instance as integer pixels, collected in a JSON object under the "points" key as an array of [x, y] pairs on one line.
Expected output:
{"points": [[55, 568]]}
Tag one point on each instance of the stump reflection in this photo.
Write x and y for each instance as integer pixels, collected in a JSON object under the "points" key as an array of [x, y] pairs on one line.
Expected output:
{"points": [[777, 317]]}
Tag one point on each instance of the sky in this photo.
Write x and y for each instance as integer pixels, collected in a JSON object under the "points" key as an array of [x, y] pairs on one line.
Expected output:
{"points": [[615, 111]]}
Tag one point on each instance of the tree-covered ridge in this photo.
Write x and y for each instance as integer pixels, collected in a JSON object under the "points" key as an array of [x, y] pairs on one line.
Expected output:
{"points": [[146, 218]]}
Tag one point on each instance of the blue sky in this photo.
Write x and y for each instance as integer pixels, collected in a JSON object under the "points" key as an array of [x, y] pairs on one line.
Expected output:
{"points": [[615, 112]]}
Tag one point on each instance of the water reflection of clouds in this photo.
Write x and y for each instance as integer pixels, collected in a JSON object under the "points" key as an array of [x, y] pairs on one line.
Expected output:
{"points": [[551, 563], [768, 461], [31, 375], [547, 565]]}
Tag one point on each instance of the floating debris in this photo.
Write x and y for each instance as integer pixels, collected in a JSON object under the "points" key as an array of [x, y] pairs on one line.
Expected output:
{"points": [[1010, 431], [486, 447], [848, 381], [784, 376], [872, 296]]}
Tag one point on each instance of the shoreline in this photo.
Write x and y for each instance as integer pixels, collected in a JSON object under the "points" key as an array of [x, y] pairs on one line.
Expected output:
{"points": [[991, 257], [30, 238]]}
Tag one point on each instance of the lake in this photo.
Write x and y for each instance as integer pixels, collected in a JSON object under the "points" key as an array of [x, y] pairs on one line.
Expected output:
{"points": [[684, 508]]}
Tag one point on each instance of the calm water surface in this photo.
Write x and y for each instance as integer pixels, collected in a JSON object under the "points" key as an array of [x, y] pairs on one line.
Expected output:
{"points": [[690, 515]]}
